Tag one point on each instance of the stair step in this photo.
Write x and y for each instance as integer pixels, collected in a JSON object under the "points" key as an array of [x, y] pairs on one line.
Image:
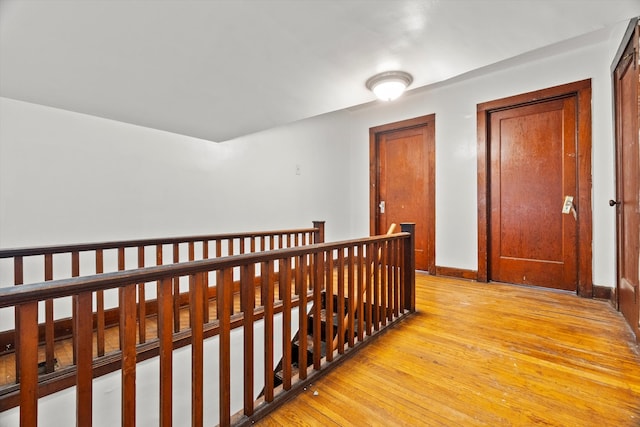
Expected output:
{"points": [[323, 347], [279, 375], [323, 317]]}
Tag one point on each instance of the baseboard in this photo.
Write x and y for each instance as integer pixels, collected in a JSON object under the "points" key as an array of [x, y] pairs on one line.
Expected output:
{"points": [[456, 272], [605, 293]]}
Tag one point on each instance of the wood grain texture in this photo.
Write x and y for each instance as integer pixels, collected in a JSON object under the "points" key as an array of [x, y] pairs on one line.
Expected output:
{"points": [[479, 354], [627, 145], [582, 91], [402, 174]]}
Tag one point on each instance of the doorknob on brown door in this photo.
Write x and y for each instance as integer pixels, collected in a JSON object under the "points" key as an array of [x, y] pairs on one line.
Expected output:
{"points": [[613, 202]]}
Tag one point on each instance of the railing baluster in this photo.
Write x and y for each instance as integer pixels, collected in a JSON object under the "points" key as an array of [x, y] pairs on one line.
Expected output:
{"points": [[248, 299], [301, 285], [28, 356], [192, 257], [396, 279], [389, 267], [225, 300], [266, 269], [100, 306], [196, 285], [128, 344], [317, 310], [49, 331], [75, 272], [341, 305], [409, 264], [165, 338], [383, 284], [329, 306], [142, 301], [18, 279], [205, 278], [285, 296], [401, 276], [369, 292], [352, 297], [360, 291], [121, 264], [376, 285], [176, 290], [84, 353], [159, 261]]}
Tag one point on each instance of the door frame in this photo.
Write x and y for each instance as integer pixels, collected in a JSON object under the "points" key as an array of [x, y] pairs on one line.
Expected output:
{"points": [[630, 32], [374, 179], [582, 91]]}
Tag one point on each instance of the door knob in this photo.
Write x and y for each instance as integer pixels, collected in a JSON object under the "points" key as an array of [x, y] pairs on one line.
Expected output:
{"points": [[613, 202]]}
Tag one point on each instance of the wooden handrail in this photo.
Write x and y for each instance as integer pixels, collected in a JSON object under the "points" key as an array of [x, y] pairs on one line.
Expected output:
{"points": [[84, 247], [304, 268], [15, 295], [39, 262]]}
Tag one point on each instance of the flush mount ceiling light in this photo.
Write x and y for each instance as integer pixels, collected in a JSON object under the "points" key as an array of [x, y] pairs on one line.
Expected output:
{"points": [[389, 85]]}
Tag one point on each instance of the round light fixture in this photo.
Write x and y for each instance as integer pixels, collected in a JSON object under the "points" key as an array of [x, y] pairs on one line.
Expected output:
{"points": [[389, 85]]}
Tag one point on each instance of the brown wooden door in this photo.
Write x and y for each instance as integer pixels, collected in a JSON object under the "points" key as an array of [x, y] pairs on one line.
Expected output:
{"points": [[627, 203], [402, 180], [532, 169]]}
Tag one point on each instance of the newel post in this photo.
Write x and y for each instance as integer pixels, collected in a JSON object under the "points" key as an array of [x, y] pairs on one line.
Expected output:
{"points": [[409, 267], [318, 236]]}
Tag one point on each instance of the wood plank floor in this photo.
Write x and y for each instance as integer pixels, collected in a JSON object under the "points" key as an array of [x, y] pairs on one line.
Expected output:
{"points": [[484, 355]]}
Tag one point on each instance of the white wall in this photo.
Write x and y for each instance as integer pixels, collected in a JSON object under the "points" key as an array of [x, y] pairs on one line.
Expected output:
{"points": [[67, 177]]}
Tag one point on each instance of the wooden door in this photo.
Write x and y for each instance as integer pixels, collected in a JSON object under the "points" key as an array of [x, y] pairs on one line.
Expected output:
{"points": [[534, 150], [533, 168], [627, 95], [402, 182]]}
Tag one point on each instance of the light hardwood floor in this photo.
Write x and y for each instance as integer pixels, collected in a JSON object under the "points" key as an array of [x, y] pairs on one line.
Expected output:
{"points": [[484, 355]]}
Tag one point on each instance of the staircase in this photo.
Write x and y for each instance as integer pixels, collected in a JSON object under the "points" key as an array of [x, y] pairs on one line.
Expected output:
{"points": [[335, 308], [308, 343]]}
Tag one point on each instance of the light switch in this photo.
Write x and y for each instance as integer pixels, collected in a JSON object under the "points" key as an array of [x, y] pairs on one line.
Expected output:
{"points": [[568, 204]]}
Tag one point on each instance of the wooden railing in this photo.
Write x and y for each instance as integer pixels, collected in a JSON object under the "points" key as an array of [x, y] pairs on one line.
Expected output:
{"points": [[273, 287], [36, 264]]}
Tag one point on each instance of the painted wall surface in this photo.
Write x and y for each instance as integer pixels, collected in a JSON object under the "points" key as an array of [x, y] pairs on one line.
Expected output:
{"points": [[67, 177]]}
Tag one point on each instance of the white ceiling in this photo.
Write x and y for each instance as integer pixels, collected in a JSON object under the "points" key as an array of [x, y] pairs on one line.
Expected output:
{"points": [[221, 69]]}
